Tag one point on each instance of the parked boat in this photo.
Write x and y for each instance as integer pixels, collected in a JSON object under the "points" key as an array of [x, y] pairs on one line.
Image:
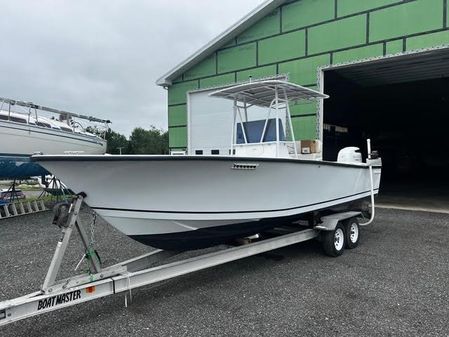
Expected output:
{"points": [[192, 201], [25, 133]]}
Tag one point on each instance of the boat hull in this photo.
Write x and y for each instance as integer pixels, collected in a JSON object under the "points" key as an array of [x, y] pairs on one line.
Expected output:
{"points": [[19, 141], [171, 202]]}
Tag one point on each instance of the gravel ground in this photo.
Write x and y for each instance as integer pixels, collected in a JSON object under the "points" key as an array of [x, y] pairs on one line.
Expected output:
{"points": [[395, 283]]}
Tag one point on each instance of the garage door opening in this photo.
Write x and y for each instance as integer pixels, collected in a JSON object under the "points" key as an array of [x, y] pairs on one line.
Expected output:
{"points": [[402, 104]]}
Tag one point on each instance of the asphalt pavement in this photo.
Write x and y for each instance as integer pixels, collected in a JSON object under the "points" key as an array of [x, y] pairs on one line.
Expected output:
{"points": [[396, 283]]}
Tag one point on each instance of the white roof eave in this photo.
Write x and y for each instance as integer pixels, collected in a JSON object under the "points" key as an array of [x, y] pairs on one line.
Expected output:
{"points": [[239, 27]]}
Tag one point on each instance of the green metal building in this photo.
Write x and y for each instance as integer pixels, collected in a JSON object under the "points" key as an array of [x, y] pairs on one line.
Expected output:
{"points": [[383, 62]]}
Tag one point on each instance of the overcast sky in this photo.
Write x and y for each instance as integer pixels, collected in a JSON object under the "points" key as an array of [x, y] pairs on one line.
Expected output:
{"points": [[103, 57]]}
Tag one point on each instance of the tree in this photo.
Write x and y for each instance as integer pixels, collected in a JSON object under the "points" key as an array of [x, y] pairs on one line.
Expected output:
{"points": [[117, 143], [152, 141]]}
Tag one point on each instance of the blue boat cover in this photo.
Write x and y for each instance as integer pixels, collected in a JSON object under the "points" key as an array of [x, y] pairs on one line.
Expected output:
{"points": [[19, 167]]}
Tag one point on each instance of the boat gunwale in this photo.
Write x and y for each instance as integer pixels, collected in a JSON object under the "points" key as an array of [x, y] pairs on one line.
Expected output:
{"points": [[112, 158]]}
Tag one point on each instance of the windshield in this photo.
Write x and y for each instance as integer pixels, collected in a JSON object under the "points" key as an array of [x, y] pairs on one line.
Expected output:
{"points": [[254, 131]]}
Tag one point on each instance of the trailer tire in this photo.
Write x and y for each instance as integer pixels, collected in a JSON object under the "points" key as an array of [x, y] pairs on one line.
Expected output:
{"points": [[352, 233], [334, 241]]}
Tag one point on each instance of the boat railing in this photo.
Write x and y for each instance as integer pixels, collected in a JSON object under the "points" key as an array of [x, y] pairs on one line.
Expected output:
{"points": [[65, 121]]}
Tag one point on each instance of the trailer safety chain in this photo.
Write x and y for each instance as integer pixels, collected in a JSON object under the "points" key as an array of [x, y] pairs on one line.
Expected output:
{"points": [[91, 252], [92, 229]]}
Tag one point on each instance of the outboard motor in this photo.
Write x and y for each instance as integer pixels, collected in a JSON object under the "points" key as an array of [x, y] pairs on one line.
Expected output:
{"points": [[350, 155]]}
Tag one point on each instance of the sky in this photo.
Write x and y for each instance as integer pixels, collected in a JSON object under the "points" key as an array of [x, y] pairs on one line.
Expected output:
{"points": [[103, 57]]}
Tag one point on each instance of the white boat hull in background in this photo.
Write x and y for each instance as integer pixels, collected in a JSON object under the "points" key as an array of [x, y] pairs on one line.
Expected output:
{"points": [[18, 141], [23, 139], [172, 202]]}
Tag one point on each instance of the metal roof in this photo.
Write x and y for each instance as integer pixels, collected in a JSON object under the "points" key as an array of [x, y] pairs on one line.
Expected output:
{"points": [[239, 27], [262, 93]]}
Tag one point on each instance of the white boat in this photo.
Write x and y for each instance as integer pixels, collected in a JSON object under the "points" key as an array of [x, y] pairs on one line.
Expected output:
{"points": [[25, 133], [192, 201]]}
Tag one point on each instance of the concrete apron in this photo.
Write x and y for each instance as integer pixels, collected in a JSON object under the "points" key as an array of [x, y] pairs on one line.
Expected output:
{"points": [[414, 208]]}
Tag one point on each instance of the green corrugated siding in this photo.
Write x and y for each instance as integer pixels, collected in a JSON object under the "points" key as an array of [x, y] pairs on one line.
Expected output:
{"points": [[282, 47], [427, 41], [306, 12], [177, 92], [346, 7], [178, 79], [205, 68], [177, 137], [303, 109], [230, 43], [447, 14], [270, 25], [256, 73], [304, 71], [304, 127], [305, 35], [177, 115], [236, 58], [394, 47], [217, 81], [339, 34], [408, 18], [359, 53]]}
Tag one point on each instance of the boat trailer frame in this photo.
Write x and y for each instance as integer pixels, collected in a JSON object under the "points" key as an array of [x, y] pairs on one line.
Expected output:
{"points": [[140, 271]]}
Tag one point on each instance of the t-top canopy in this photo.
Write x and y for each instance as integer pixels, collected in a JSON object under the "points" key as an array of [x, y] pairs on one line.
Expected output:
{"points": [[262, 93]]}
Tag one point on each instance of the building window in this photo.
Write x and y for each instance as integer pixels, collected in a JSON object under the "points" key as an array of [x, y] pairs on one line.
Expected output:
{"points": [[215, 152], [199, 152]]}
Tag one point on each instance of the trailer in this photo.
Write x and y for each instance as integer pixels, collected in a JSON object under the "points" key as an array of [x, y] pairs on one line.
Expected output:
{"points": [[336, 231]]}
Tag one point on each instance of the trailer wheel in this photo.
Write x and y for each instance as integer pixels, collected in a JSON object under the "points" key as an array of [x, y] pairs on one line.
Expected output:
{"points": [[352, 233], [334, 241]]}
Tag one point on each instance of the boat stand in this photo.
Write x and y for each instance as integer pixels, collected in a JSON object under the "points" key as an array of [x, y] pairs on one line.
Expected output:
{"points": [[140, 271], [56, 189]]}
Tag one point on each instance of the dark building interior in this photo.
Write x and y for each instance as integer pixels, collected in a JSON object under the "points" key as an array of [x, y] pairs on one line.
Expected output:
{"points": [[405, 113]]}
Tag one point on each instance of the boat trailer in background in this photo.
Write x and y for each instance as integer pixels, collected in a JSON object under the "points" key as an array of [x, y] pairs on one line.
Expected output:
{"points": [[336, 232]]}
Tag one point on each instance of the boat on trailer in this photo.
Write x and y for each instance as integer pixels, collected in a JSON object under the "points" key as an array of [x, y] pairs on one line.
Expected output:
{"points": [[27, 128], [193, 201], [183, 202]]}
